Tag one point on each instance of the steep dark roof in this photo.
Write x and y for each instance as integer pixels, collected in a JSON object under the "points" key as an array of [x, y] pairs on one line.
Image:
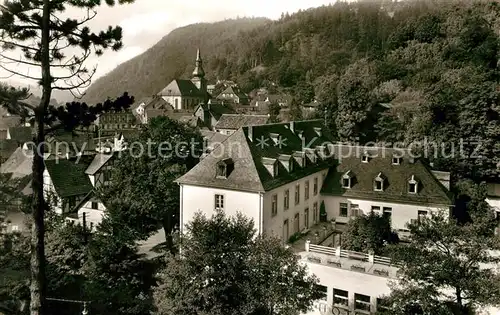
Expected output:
{"points": [[232, 90], [181, 88], [234, 121], [69, 177], [250, 173], [430, 190], [97, 163], [7, 147], [21, 134], [216, 110]]}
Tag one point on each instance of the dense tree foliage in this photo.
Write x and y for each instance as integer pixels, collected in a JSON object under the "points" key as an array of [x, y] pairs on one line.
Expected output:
{"points": [[367, 233], [226, 269], [100, 268], [143, 195], [447, 268], [432, 67]]}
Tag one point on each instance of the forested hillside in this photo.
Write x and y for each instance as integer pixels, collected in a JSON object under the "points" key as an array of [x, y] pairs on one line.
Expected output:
{"points": [[434, 65], [172, 57]]}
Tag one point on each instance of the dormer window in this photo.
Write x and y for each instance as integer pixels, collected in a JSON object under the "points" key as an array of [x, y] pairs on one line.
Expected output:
{"points": [[271, 165], [300, 134], [322, 152], [224, 168], [300, 158], [365, 158], [397, 160], [286, 161], [318, 131], [275, 137], [379, 182], [311, 154], [347, 179], [412, 185]]}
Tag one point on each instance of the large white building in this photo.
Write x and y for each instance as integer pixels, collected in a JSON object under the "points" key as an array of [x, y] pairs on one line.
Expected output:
{"points": [[280, 175]]}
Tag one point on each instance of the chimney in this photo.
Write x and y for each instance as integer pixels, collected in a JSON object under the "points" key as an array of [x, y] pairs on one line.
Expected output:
{"points": [[250, 133], [292, 126]]}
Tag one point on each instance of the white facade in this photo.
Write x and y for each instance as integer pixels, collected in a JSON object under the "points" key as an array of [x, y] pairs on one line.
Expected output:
{"points": [[259, 206], [352, 281], [202, 199], [182, 102], [93, 212], [285, 223], [400, 213]]}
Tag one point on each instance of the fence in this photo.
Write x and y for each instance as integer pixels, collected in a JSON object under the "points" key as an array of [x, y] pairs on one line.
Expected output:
{"points": [[342, 253]]}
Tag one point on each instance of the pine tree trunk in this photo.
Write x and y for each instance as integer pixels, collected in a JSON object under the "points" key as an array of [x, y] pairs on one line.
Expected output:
{"points": [[168, 228], [37, 288], [38, 283]]}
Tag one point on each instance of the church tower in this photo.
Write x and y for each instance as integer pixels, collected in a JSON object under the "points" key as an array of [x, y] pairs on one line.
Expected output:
{"points": [[199, 74]]}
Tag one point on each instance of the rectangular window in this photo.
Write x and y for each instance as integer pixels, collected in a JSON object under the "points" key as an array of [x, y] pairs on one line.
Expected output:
{"points": [[346, 183], [375, 208], [378, 185], [361, 302], [306, 190], [221, 170], [297, 194], [421, 215], [306, 218], [354, 210], [340, 297], [343, 210], [323, 290], [94, 205], [219, 202], [382, 304], [315, 189], [412, 188], [274, 205], [387, 213], [315, 213], [286, 200]]}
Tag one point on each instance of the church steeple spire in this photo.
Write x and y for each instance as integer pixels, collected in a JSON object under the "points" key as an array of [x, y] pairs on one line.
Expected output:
{"points": [[198, 70]]}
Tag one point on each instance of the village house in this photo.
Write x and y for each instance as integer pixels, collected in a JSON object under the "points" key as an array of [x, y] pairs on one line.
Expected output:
{"points": [[210, 113], [229, 123], [114, 121], [187, 94], [234, 95], [280, 174], [65, 183]]}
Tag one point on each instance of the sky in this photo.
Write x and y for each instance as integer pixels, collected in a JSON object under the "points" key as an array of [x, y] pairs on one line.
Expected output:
{"points": [[145, 22]]}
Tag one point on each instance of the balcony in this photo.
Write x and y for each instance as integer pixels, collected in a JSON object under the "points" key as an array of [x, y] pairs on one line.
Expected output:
{"points": [[323, 233], [349, 260]]}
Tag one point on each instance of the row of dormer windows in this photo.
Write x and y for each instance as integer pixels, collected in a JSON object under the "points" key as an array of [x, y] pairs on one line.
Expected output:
{"points": [[379, 182]]}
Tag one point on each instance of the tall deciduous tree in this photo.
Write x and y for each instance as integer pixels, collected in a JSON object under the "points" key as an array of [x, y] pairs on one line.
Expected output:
{"points": [[226, 269], [447, 268], [354, 101], [143, 195], [34, 34], [370, 232]]}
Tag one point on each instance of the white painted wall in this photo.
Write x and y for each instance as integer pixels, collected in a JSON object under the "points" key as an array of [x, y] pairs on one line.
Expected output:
{"points": [[183, 102], [274, 225], [401, 213], [197, 198], [93, 216], [49, 192], [350, 281]]}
